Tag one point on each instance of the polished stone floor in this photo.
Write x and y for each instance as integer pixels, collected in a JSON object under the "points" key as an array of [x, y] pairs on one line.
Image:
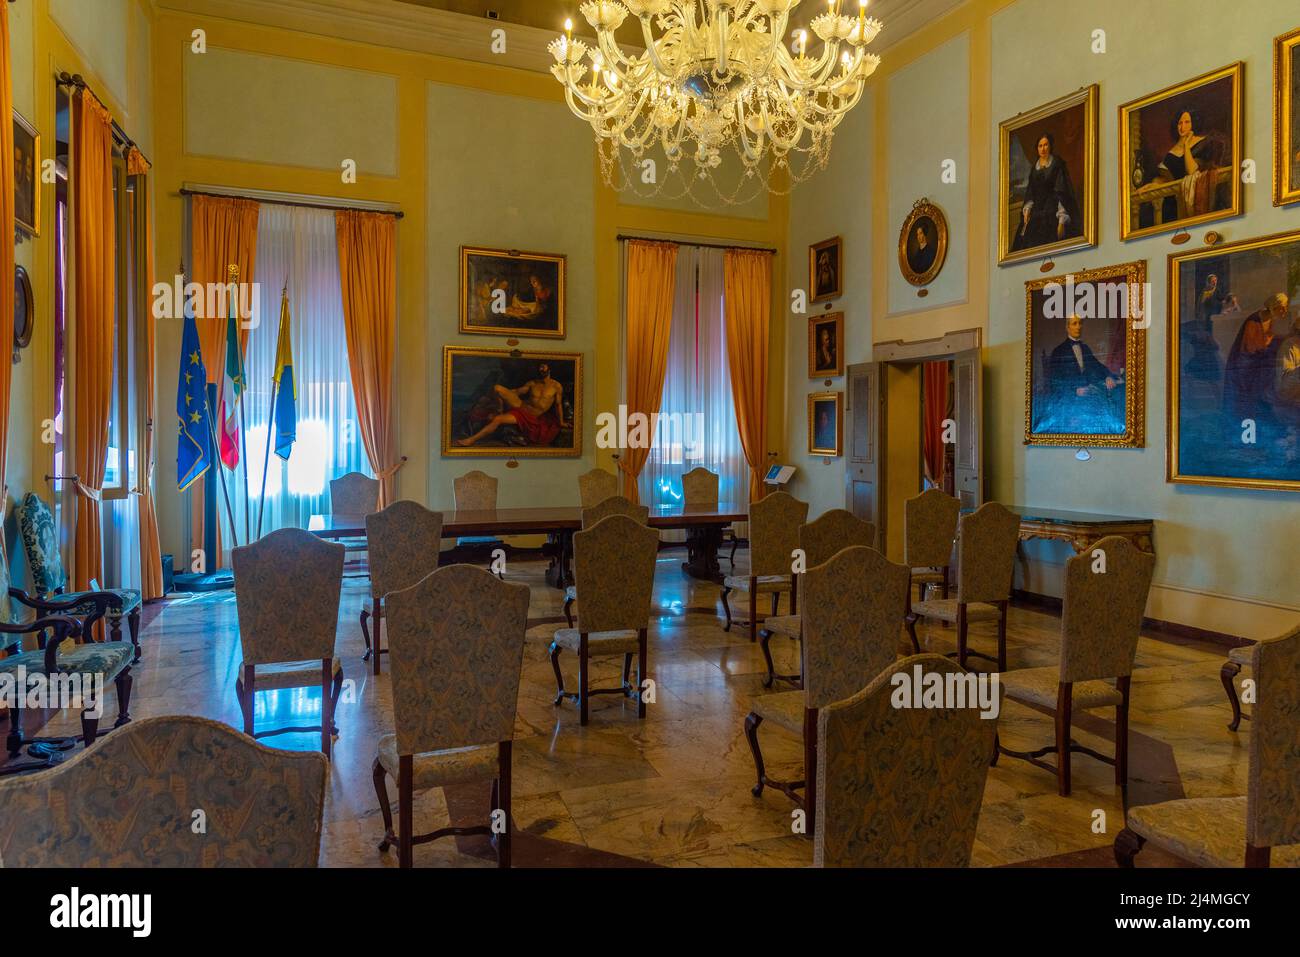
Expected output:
{"points": [[674, 789]]}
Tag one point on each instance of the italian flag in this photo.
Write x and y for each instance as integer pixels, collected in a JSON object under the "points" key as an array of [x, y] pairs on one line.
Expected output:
{"points": [[232, 387]]}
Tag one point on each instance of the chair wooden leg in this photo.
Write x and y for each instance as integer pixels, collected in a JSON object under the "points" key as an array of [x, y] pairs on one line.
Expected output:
{"points": [[765, 642], [560, 693], [911, 632], [89, 729], [1127, 846], [379, 628], [776, 603], [1227, 673], [810, 769], [124, 682], [405, 812], [326, 705], [962, 624], [583, 678], [1121, 733], [1257, 856], [794, 594], [503, 797], [641, 673], [365, 634], [568, 612], [1064, 703], [380, 778], [726, 607], [133, 626], [627, 669], [246, 699], [1002, 636], [753, 608], [735, 543], [752, 721]]}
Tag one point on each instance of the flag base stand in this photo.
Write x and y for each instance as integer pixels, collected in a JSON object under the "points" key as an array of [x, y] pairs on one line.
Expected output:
{"points": [[222, 579]]}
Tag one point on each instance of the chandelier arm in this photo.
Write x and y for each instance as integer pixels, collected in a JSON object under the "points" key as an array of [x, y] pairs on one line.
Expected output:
{"points": [[651, 49]]}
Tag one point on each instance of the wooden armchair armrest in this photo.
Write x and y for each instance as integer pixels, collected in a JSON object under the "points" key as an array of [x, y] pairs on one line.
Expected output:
{"points": [[63, 626], [56, 605]]}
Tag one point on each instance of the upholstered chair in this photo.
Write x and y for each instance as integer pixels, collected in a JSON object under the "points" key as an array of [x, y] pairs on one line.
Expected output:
{"points": [[1100, 624], [1238, 658], [986, 555], [456, 647], [614, 564], [287, 588], [853, 614], [700, 487], [50, 580], [900, 786], [404, 542], [596, 486], [130, 802], [819, 540], [476, 491], [929, 529], [1261, 828], [773, 536], [613, 505], [354, 494]]}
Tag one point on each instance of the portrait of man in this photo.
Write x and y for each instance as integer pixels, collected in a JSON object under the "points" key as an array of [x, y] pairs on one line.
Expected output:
{"points": [[825, 334], [825, 267], [1080, 385], [501, 403], [921, 247], [923, 243], [824, 423]]}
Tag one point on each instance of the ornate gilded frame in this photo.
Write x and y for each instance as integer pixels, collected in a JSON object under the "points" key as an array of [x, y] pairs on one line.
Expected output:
{"points": [[836, 243], [1088, 97], [561, 293], [1286, 49], [813, 399], [813, 323], [33, 228], [1135, 352], [922, 208]]}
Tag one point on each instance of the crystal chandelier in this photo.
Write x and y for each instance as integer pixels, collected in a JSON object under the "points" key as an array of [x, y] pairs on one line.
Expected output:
{"points": [[716, 79]]}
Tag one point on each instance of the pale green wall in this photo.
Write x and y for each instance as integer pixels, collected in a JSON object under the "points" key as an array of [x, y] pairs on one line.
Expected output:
{"points": [[99, 31]]}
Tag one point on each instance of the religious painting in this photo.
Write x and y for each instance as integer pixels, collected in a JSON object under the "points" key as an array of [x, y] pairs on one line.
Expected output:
{"points": [[1047, 179], [1234, 364], [27, 184], [511, 403], [825, 345], [1180, 152], [923, 243], [512, 293], [1286, 119], [826, 270], [825, 426], [1085, 358]]}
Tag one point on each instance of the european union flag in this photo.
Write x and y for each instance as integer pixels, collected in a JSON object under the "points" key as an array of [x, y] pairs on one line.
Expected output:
{"points": [[194, 450]]}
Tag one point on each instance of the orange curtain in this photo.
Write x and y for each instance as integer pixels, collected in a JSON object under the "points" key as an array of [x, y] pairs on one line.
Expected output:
{"points": [[7, 231], [748, 310], [151, 585], [90, 174], [368, 274], [651, 280]]}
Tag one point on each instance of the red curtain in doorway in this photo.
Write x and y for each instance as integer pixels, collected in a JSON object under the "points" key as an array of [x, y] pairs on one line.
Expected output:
{"points": [[936, 409]]}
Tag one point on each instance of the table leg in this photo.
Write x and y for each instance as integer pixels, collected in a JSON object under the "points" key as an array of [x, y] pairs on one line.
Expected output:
{"points": [[559, 574], [703, 542]]}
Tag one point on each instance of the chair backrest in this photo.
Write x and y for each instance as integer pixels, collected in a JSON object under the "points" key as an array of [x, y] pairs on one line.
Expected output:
{"points": [[614, 567], [832, 532], [929, 528], [129, 802], [853, 607], [354, 494], [403, 541], [596, 486], [287, 588], [700, 487], [774, 524], [900, 786], [1106, 590], [615, 505], [475, 491], [1273, 784], [986, 553], [41, 543], [456, 648]]}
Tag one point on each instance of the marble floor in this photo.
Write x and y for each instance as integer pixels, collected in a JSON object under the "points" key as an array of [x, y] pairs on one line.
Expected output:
{"points": [[674, 789]]}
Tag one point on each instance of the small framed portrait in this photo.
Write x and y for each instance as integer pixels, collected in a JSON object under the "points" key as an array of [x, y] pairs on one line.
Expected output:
{"points": [[1047, 179], [1085, 358], [27, 184], [825, 412], [1286, 119], [923, 243], [1179, 154], [825, 345], [826, 270], [508, 403], [505, 292]]}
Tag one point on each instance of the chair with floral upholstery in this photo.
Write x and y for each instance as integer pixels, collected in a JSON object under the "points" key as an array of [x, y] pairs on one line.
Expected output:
{"points": [[404, 542], [1238, 658], [262, 806], [475, 491], [900, 786], [819, 540], [1262, 828], [853, 615], [614, 505], [1106, 592], [456, 646], [986, 555], [614, 564], [49, 580], [774, 524], [596, 486], [700, 490], [929, 529], [357, 495], [287, 587]]}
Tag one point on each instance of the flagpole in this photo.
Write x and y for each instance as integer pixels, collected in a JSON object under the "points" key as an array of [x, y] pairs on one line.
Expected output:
{"points": [[212, 437], [266, 461], [236, 298]]}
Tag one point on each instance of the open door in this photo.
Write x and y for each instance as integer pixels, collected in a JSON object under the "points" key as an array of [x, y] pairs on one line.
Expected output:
{"points": [[968, 401], [864, 415]]}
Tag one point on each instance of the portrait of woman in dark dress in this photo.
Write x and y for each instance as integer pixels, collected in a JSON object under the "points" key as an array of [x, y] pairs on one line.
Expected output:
{"points": [[1192, 161], [1050, 212]]}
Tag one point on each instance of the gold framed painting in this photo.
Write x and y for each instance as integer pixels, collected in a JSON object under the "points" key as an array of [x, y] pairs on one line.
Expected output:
{"points": [[1085, 358], [506, 292], [1180, 150], [923, 243], [826, 345], [1286, 119], [511, 403], [825, 423], [826, 270], [1234, 365], [1047, 178], [27, 183]]}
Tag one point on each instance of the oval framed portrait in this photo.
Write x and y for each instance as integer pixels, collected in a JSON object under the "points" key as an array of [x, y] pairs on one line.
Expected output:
{"points": [[22, 309], [923, 243]]}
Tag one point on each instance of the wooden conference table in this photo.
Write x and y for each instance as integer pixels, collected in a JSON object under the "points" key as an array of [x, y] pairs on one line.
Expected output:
{"points": [[703, 526]]}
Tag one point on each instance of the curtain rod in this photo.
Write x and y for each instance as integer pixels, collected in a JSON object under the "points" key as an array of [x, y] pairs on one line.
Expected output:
{"points": [[323, 204], [652, 239], [76, 81]]}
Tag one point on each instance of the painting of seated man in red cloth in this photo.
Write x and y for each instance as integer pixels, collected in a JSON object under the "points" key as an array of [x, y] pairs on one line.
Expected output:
{"points": [[498, 403]]}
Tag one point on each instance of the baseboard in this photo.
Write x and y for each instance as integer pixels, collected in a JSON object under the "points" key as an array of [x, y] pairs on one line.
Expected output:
{"points": [[1169, 631]]}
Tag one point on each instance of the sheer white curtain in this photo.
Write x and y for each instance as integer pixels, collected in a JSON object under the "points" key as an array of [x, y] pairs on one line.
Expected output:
{"points": [[296, 245]]}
